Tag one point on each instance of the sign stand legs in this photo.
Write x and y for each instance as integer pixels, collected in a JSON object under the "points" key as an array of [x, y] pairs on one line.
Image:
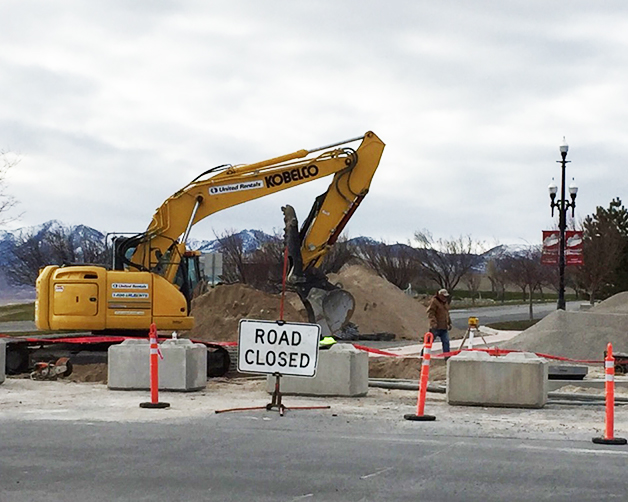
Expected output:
{"points": [[276, 399], [276, 403]]}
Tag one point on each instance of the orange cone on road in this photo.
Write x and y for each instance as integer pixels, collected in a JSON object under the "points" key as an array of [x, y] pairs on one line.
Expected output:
{"points": [[428, 339]]}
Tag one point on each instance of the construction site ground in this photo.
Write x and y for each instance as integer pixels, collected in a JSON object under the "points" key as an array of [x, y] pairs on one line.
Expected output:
{"points": [[26, 399], [380, 308]]}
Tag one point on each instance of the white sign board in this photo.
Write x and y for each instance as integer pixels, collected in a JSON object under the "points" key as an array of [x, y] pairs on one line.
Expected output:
{"points": [[288, 348]]}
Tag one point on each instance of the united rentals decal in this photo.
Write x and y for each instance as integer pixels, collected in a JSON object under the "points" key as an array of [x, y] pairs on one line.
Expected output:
{"points": [[236, 187], [129, 285], [301, 173]]}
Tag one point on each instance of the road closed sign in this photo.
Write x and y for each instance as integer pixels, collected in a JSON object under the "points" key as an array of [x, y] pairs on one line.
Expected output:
{"points": [[275, 347]]}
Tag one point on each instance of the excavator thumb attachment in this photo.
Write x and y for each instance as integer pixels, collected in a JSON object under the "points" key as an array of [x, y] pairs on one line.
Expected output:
{"points": [[327, 304]]}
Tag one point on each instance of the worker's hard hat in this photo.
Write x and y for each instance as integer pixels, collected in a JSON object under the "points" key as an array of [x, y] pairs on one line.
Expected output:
{"points": [[326, 342]]}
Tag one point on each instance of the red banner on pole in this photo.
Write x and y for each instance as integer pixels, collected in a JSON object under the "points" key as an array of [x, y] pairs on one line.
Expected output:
{"points": [[551, 243], [551, 247], [573, 247]]}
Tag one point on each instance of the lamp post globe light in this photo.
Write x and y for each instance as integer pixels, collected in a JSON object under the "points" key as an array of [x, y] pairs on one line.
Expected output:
{"points": [[562, 205]]}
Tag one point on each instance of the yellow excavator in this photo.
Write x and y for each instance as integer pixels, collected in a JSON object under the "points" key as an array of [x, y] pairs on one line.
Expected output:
{"points": [[153, 274]]}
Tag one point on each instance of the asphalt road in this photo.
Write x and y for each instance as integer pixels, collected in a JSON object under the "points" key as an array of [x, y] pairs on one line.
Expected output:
{"points": [[303, 456], [501, 313]]}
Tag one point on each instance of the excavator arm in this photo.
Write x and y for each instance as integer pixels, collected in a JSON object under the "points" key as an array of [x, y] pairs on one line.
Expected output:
{"points": [[161, 247]]}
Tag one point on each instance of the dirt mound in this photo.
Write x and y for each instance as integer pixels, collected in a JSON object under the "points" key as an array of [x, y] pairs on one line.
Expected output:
{"points": [[616, 304], [89, 373], [381, 307], [405, 368], [218, 312], [576, 335]]}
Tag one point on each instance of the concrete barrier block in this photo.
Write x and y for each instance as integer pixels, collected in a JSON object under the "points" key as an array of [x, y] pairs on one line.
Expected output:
{"points": [[514, 380], [3, 360], [342, 370], [183, 368]]}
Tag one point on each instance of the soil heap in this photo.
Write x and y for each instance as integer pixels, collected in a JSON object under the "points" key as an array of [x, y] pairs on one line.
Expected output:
{"points": [[218, 312], [381, 307]]}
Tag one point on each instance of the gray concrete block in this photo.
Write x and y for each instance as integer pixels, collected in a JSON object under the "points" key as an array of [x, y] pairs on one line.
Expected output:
{"points": [[3, 360], [514, 380], [183, 368], [342, 370]]}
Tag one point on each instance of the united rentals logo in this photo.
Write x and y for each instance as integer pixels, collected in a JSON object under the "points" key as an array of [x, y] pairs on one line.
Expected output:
{"points": [[129, 285], [236, 187], [302, 173]]}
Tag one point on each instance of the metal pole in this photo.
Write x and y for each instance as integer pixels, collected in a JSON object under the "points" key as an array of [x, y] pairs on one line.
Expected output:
{"points": [[562, 224]]}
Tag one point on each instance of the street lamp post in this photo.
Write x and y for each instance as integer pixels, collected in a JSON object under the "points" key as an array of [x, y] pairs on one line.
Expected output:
{"points": [[562, 205]]}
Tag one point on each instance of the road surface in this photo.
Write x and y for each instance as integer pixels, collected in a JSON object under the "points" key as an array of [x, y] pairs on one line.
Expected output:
{"points": [[303, 456], [501, 313]]}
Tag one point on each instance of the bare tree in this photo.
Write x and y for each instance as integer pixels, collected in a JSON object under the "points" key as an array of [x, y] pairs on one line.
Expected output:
{"points": [[396, 263], [7, 201], [58, 246], [446, 261], [28, 255], [264, 268], [231, 245], [524, 269], [338, 255], [497, 276], [472, 280]]}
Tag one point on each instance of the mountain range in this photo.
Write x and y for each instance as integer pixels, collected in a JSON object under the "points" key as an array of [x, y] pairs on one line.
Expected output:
{"points": [[252, 240]]}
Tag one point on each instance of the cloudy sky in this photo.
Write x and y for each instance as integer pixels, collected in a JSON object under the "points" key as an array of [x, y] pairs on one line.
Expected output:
{"points": [[114, 105]]}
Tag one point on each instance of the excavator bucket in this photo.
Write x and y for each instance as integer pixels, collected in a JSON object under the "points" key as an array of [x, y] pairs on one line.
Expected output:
{"points": [[332, 310]]}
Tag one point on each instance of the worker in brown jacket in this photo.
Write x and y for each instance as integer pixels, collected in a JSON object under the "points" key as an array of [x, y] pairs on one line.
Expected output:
{"points": [[438, 315]]}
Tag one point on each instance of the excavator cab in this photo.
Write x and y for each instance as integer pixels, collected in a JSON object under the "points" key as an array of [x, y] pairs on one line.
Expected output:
{"points": [[189, 276]]}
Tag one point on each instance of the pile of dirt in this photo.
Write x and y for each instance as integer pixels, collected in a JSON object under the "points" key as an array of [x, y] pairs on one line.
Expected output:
{"points": [[576, 335], [381, 307], [89, 373], [405, 368], [218, 312]]}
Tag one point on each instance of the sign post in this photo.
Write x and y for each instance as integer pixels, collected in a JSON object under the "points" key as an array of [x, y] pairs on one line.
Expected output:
{"points": [[278, 348]]}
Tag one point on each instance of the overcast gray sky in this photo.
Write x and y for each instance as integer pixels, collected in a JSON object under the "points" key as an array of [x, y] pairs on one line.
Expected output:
{"points": [[115, 105]]}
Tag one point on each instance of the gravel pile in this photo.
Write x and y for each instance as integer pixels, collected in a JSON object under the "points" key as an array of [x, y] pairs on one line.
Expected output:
{"points": [[576, 335], [617, 304]]}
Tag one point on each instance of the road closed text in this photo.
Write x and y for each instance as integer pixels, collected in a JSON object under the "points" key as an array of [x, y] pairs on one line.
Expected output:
{"points": [[269, 347], [280, 354]]}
